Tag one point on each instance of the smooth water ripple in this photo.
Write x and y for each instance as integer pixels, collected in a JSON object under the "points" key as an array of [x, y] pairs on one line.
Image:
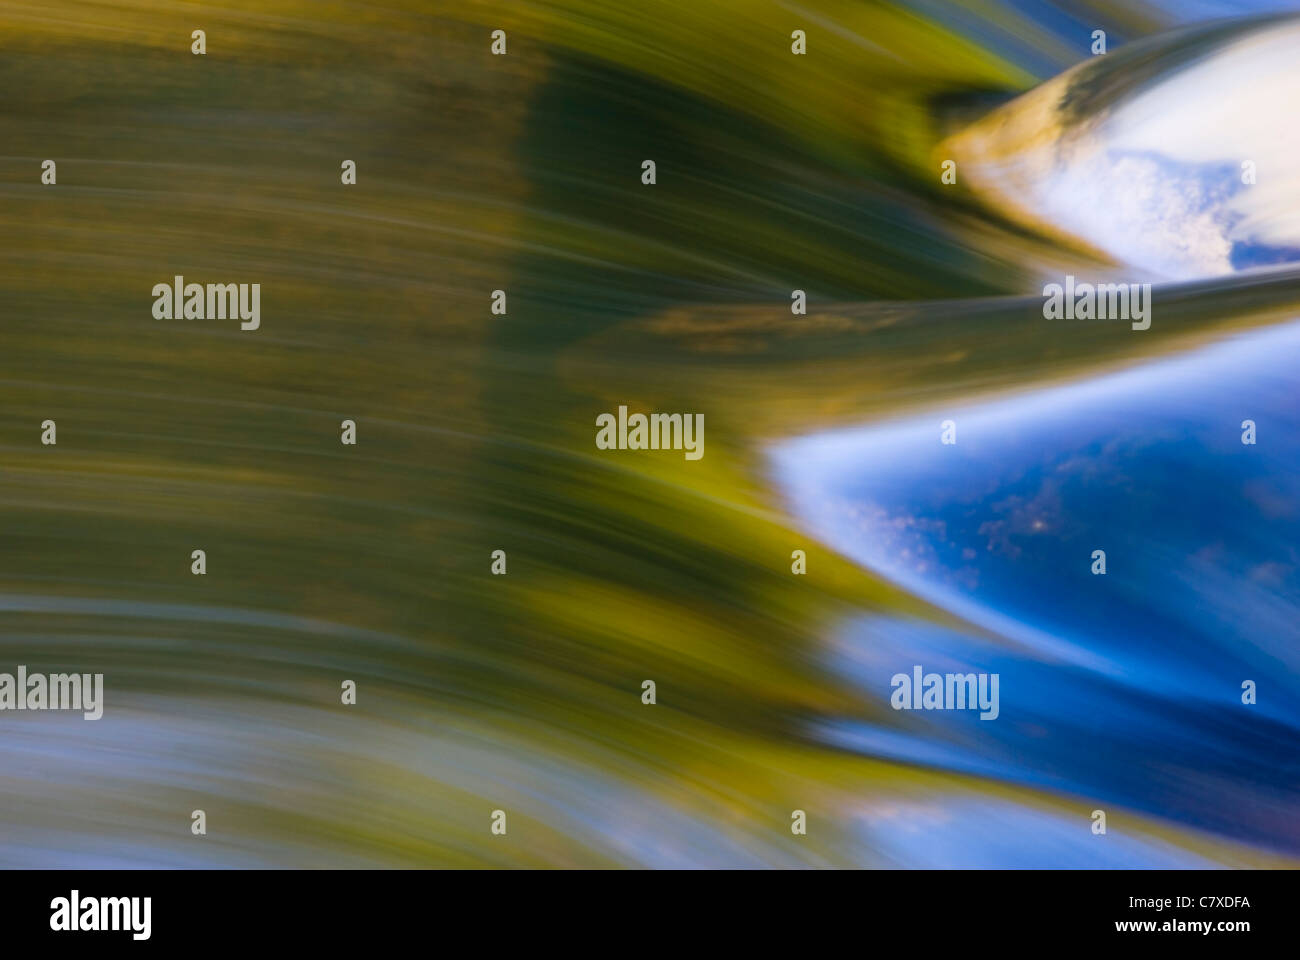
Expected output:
{"points": [[1124, 688]]}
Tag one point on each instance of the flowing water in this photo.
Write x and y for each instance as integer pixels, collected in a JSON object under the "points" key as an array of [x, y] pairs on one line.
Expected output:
{"points": [[522, 693]]}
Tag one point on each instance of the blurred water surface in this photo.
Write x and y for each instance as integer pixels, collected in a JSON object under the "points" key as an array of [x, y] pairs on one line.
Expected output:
{"points": [[475, 433], [1124, 687]]}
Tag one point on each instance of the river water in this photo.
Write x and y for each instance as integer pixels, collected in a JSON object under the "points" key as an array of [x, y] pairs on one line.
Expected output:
{"points": [[1123, 688]]}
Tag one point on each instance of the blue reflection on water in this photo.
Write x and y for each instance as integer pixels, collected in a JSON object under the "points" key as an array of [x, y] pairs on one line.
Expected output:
{"points": [[979, 832], [1124, 688]]}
